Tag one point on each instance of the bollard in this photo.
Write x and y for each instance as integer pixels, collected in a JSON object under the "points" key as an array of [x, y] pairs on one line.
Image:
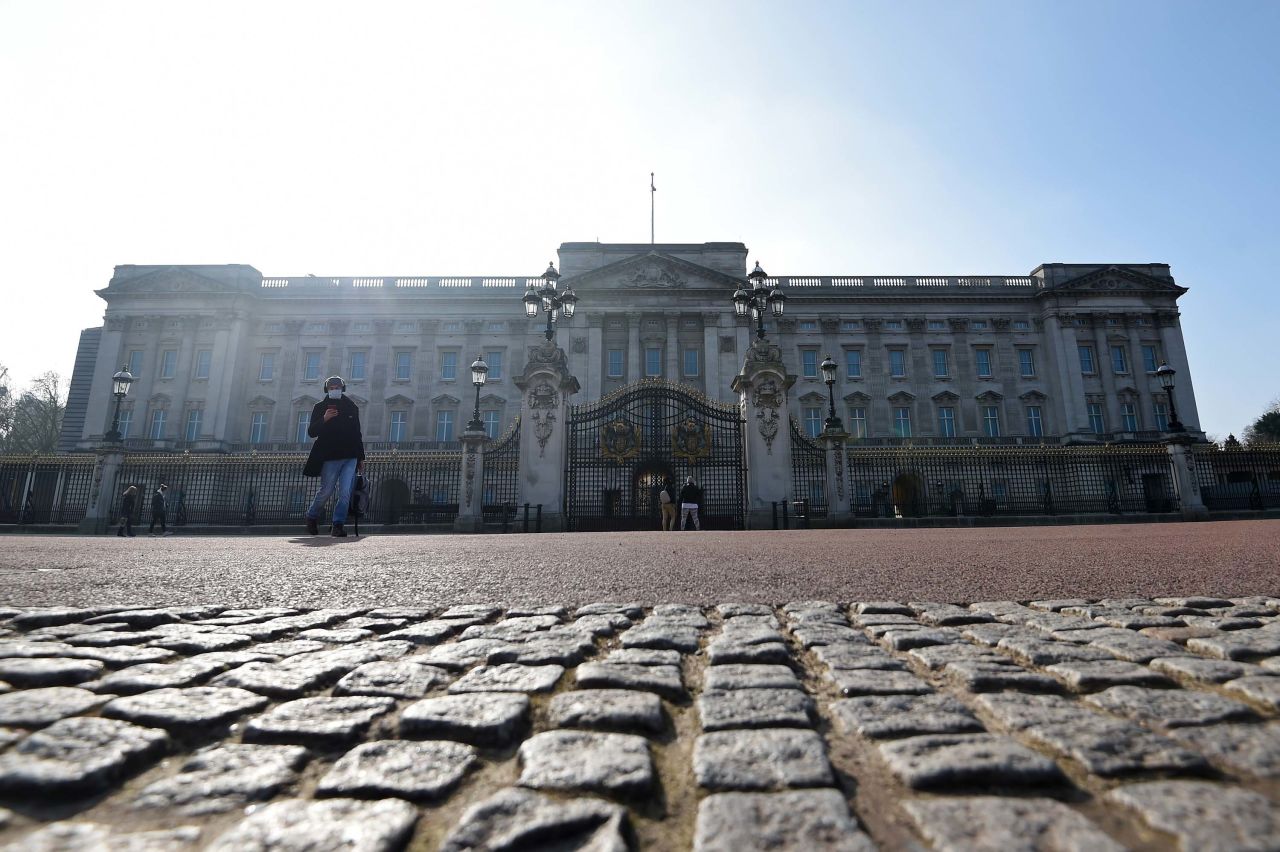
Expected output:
{"points": [[786, 518], [774, 505], [802, 513], [539, 517], [526, 517]]}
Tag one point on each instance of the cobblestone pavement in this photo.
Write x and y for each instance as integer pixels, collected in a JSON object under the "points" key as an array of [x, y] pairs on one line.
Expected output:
{"points": [[1043, 725]]}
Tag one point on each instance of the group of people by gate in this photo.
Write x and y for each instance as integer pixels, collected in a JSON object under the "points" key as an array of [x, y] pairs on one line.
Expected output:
{"points": [[685, 503]]}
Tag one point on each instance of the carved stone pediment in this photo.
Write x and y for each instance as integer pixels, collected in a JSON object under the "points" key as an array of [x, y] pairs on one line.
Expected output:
{"points": [[492, 399], [261, 402], [813, 398], [1032, 396], [172, 279], [445, 399], [358, 400], [305, 399], [902, 397], [857, 396], [653, 271], [945, 396], [1112, 279], [399, 399], [988, 396], [159, 399]]}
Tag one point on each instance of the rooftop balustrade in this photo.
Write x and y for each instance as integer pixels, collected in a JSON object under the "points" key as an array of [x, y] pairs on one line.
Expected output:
{"points": [[878, 284]]}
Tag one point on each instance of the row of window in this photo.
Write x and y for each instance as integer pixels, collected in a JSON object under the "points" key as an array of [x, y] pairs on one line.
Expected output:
{"points": [[814, 418], [358, 365], [397, 431], [899, 325], [364, 326], [615, 359], [169, 363], [982, 361]]}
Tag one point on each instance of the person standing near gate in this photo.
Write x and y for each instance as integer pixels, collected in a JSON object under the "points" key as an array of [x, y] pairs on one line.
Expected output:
{"points": [[690, 499], [128, 500], [336, 456], [667, 500], [158, 510]]}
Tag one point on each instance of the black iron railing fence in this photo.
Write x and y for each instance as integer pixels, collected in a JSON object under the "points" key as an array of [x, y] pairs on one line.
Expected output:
{"points": [[917, 481], [45, 489], [501, 482], [1239, 476]]}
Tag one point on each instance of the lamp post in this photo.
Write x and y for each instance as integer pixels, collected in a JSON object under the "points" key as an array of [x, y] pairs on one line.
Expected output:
{"points": [[550, 300], [1166, 373], [760, 296], [119, 388], [479, 369], [828, 367]]}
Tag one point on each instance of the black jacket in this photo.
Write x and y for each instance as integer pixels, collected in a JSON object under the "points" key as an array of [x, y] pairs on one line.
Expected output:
{"points": [[157, 503], [691, 494], [338, 439]]}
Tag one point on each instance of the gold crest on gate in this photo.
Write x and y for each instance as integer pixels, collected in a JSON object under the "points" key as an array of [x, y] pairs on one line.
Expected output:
{"points": [[619, 441], [691, 440]]}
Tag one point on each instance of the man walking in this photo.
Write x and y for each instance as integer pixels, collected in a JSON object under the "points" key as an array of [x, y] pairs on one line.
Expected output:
{"points": [[158, 510], [690, 499], [667, 500], [336, 456]]}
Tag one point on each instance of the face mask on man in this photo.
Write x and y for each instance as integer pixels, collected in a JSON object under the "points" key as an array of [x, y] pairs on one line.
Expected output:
{"points": [[335, 393]]}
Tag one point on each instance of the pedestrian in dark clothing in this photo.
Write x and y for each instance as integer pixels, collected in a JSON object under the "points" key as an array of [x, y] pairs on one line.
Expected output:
{"points": [[128, 502], [158, 510], [690, 500], [336, 456]]}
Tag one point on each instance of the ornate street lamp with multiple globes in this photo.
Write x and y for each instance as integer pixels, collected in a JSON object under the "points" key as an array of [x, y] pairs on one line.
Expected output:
{"points": [[828, 367], [758, 298], [1166, 373], [119, 389], [550, 300], [479, 370]]}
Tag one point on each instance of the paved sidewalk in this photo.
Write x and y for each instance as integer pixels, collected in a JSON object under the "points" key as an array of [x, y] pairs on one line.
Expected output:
{"points": [[1139, 722]]}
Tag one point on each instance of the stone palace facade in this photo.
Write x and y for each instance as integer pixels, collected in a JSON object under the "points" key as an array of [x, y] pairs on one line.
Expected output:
{"points": [[226, 359]]}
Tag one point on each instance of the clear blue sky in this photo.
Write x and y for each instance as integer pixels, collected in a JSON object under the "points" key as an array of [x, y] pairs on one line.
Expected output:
{"points": [[473, 138]]}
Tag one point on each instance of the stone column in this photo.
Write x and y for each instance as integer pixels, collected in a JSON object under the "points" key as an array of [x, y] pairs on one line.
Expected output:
{"points": [[634, 367], [839, 497], [546, 385], [1175, 355], [1184, 477], [471, 483], [111, 357], [595, 356], [711, 354], [102, 492], [762, 393], [1072, 381], [672, 347], [1102, 345]]}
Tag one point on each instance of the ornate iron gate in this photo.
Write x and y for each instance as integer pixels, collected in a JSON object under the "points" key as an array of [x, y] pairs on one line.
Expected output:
{"points": [[808, 472], [502, 476], [622, 446]]}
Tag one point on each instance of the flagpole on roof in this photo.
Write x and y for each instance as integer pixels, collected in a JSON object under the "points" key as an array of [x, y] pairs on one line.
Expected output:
{"points": [[652, 189]]}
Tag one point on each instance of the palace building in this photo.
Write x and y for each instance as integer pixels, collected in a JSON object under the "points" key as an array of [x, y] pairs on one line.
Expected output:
{"points": [[227, 360]]}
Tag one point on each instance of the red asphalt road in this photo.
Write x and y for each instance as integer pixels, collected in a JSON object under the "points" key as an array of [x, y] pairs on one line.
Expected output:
{"points": [[1223, 558]]}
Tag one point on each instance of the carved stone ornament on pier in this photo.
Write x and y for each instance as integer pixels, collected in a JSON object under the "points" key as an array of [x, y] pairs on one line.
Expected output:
{"points": [[654, 277], [767, 399], [550, 354], [470, 476], [543, 400]]}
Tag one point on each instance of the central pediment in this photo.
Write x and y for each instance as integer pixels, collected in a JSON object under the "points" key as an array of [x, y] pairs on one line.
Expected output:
{"points": [[654, 270]]}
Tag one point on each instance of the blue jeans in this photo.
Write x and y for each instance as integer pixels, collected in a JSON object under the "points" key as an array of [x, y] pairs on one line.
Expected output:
{"points": [[337, 474]]}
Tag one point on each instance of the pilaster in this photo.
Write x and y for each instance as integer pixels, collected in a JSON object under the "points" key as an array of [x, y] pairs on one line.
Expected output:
{"points": [[471, 483], [762, 388], [545, 384]]}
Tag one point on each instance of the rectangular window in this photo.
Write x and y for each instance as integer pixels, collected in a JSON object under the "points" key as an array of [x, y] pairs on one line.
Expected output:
{"points": [[1035, 421], [897, 363], [946, 421], [449, 366], [311, 366], [444, 425], [204, 362], [194, 416], [1159, 409], [492, 422], [1096, 421], [991, 420], [937, 325], [1021, 325], [451, 326], [853, 363], [168, 363], [126, 420], [858, 422], [359, 366], [902, 422], [813, 422], [808, 325], [850, 325], [982, 357], [615, 363], [258, 427], [267, 367], [1026, 363], [1150, 358], [691, 365], [494, 359], [1086, 358], [135, 363], [1119, 361], [302, 424], [940, 368], [157, 423], [809, 363], [404, 361], [496, 326], [653, 361], [893, 325], [1128, 417], [978, 325], [399, 425]]}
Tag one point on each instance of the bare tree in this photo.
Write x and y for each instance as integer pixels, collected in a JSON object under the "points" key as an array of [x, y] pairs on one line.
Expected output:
{"points": [[1266, 429], [31, 422], [7, 401]]}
